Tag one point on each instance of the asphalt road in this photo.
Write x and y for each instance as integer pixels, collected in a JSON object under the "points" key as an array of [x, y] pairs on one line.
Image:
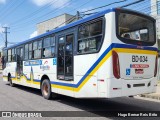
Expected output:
{"points": [[21, 98]]}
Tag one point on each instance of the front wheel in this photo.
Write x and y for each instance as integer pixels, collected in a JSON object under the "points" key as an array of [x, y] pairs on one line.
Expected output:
{"points": [[46, 89], [10, 81]]}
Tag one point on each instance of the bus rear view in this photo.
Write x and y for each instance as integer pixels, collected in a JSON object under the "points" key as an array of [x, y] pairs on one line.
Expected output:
{"points": [[134, 55], [110, 54]]}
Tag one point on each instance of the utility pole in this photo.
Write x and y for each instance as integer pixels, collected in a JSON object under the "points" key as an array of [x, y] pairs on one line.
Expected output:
{"points": [[6, 33], [78, 15]]}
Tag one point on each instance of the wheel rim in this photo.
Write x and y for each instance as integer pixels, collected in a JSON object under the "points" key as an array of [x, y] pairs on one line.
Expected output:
{"points": [[45, 89]]}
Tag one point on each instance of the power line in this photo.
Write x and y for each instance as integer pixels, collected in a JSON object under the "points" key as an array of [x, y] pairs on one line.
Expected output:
{"points": [[46, 14], [34, 13], [68, 11], [12, 10], [8, 7], [104, 6], [132, 3]]}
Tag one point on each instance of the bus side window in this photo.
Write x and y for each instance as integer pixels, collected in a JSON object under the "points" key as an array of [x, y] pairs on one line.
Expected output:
{"points": [[90, 37], [13, 55], [37, 46], [26, 52], [48, 47], [30, 51], [9, 55]]}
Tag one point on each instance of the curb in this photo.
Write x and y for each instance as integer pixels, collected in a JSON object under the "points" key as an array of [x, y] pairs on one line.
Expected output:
{"points": [[151, 96]]}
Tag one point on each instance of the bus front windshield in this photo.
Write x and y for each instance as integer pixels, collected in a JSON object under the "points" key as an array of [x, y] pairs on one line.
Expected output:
{"points": [[135, 28]]}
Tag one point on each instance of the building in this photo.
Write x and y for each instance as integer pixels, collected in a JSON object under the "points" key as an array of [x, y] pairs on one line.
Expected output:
{"points": [[155, 12], [0, 60], [53, 23]]}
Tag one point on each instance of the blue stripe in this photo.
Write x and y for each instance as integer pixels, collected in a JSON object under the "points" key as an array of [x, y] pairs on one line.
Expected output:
{"points": [[87, 73], [36, 80], [113, 45]]}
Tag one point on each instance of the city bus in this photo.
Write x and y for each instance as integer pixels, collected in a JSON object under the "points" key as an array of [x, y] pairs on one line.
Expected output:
{"points": [[110, 54]]}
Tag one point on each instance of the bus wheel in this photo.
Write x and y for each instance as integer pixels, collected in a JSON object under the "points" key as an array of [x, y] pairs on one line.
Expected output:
{"points": [[46, 89], [10, 81]]}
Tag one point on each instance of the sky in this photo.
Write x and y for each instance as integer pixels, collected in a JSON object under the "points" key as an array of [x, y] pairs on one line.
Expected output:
{"points": [[21, 16]]}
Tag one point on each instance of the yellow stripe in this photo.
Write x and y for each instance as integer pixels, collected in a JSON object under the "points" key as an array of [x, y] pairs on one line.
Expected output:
{"points": [[62, 87], [87, 78], [93, 71], [119, 50], [23, 78]]}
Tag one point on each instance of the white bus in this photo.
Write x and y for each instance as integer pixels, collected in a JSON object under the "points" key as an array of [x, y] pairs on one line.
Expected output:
{"points": [[110, 54]]}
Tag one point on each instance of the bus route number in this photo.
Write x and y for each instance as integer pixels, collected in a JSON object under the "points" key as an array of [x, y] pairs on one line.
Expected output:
{"points": [[136, 58]]}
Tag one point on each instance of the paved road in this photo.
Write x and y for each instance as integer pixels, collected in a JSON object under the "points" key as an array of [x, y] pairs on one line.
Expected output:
{"points": [[21, 98]]}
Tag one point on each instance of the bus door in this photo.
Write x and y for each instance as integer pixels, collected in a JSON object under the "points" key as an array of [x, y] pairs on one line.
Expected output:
{"points": [[19, 61], [65, 58]]}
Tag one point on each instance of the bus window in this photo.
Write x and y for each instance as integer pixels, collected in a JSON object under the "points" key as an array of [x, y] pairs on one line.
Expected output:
{"points": [[135, 29], [83, 31], [90, 37], [13, 55], [69, 55], [21, 54], [9, 55], [53, 41], [26, 51], [61, 45], [49, 47], [30, 51], [136, 35], [96, 28], [37, 45], [40, 44]]}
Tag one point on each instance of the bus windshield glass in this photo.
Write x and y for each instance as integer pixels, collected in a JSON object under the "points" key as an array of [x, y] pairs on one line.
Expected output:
{"points": [[135, 29]]}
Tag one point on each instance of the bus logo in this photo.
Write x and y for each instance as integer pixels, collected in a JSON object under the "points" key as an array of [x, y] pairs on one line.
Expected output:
{"points": [[54, 61], [128, 71], [45, 66]]}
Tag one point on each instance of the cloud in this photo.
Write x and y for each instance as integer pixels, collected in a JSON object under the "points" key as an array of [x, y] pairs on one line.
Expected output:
{"points": [[41, 2], [55, 3], [2, 1], [1, 29], [34, 34], [60, 3]]}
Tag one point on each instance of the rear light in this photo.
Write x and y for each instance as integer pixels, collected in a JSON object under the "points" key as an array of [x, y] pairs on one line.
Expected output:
{"points": [[156, 63], [116, 67]]}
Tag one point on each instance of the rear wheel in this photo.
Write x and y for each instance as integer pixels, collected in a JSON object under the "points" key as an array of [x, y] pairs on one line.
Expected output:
{"points": [[46, 89], [10, 81]]}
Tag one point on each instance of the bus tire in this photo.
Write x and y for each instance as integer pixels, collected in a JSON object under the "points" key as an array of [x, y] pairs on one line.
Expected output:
{"points": [[46, 89], [10, 81]]}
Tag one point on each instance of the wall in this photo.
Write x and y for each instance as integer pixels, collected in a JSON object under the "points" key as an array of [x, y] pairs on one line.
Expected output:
{"points": [[53, 23]]}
